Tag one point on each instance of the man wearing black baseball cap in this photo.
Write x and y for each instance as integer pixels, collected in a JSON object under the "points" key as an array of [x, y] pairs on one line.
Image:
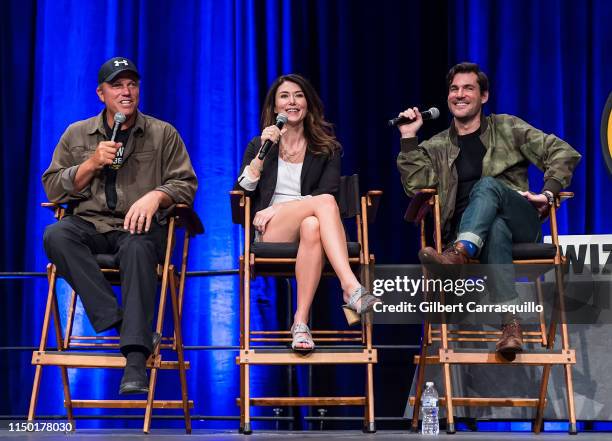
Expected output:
{"points": [[114, 67], [118, 192], [119, 89]]}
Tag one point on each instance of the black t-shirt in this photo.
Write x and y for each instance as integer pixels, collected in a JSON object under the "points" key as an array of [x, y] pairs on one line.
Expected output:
{"points": [[469, 171], [110, 185]]}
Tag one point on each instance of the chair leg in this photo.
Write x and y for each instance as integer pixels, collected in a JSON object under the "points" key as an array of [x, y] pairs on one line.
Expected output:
{"points": [[245, 344], [450, 419], [35, 391], [70, 319], [241, 402], [168, 273], [558, 314], [180, 354], [64, 370], [414, 427], [537, 425], [569, 384], [370, 423], [241, 277], [550, 342], [246, 401], [540, 297], [51, 278], [150, 398], [565, 345], [67, 396], [366, 331]]}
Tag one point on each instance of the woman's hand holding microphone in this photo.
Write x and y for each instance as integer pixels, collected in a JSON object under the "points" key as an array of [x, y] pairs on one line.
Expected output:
{"points": [[272, 133]]}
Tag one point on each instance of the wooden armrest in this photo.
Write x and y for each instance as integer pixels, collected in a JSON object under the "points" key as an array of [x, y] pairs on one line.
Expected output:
{"points": [[419, 205], [238, 202], [563, 196], [188, 218], [372, 203], [59, 210], [51, 205]]}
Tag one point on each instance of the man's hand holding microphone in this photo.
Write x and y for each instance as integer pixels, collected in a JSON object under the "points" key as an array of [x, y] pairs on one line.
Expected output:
{"points": [[410, 120]]}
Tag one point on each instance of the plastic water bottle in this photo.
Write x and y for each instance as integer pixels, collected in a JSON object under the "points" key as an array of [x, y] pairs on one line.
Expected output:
{"points": [[429, 407]]}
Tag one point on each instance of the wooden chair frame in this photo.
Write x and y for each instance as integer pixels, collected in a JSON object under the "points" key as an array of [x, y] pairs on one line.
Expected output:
{"points": [[64, 357], [427, 200], [253, 266]]}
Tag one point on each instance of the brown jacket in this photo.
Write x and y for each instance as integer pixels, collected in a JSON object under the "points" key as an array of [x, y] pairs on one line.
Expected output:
{"points": [[155, 158]]}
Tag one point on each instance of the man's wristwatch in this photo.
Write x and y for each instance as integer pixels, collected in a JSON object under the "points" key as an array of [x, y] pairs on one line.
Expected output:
{"points": [[549, 196]]}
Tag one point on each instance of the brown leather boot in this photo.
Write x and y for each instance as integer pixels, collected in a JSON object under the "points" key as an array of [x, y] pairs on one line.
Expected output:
{"points": [[511, 340], [455, 255]]}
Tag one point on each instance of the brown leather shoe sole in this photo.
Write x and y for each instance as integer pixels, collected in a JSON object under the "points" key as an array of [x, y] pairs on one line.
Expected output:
{"points": [[426, 257], [510, 345]]}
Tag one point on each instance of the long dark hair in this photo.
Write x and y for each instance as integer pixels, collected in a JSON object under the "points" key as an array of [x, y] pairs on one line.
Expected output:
{"points": [[319, 133]]}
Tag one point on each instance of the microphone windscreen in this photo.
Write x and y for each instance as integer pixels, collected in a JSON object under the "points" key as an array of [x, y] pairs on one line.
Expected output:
{"points": [[119, 118], [281, 118], [434, 112]]}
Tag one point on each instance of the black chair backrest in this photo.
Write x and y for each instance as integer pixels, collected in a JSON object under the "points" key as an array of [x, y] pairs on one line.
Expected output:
{"points": [[348, 196]]}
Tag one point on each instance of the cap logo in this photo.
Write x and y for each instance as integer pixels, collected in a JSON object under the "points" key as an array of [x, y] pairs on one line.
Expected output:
{"points": [[118, 62]]}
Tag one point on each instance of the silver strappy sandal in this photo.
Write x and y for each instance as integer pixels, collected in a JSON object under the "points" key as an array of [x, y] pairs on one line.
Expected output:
{"points": [[297, 331], [366, 303]]}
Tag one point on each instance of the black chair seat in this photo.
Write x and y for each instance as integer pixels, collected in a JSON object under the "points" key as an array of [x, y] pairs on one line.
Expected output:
{"points": [[108, 261], [524, 251], [288, 250]]}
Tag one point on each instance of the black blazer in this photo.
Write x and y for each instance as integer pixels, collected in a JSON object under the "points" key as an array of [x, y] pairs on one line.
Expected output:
{"points": [[320, 175]]}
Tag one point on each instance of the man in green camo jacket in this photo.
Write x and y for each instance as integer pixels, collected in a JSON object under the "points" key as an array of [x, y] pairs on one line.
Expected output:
{"points": [[479, 167]]}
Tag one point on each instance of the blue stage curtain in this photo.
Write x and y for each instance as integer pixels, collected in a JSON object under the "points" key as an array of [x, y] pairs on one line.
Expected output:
{"points": [[547, 64], [206, 66], [198, 65]]}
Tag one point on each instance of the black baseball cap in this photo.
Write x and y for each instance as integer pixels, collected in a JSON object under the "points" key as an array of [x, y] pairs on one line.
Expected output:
{"points": [[114, 67]]}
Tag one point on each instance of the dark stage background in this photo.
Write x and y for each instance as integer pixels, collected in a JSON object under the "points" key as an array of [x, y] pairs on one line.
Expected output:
{"points": [[206, 66]]}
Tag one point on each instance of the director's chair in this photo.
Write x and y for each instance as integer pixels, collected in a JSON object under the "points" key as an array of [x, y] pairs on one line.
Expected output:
{"points": [[278, 259], [74, 351], [427, 202]]}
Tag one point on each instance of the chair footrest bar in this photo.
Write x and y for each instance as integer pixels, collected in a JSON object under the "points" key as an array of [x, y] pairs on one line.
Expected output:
{"points": [[520, 358], [281, 357], [484, 339], [535, 358], [315, 339], [91, 360], [489, 402], [306, 401], [127, 404], [480, 332], [312, 331]]}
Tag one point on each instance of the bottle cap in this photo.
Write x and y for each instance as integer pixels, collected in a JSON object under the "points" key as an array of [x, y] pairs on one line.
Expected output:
{"points": [[429, 383]]}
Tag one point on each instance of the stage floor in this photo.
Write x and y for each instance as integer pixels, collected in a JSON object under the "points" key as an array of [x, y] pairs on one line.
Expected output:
{"points": [[206, 435]]}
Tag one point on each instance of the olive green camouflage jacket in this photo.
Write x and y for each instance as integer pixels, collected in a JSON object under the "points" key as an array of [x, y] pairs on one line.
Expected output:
{"points": [[511, 145]]}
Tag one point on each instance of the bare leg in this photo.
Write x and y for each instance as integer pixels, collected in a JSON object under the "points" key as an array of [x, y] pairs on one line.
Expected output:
{"points": [[286, 224], [308, 268]]}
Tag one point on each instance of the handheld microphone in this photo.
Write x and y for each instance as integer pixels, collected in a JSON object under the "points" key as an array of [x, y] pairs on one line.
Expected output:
{"points": [[118, 161], [281, 119], [432, 113]]}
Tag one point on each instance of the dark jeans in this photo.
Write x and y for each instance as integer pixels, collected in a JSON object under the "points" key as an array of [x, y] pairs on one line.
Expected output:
{"points": [[71, 244], [495, 218]]}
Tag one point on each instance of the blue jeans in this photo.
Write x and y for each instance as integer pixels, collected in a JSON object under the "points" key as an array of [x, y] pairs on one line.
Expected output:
{"points": [[495, 218]]}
